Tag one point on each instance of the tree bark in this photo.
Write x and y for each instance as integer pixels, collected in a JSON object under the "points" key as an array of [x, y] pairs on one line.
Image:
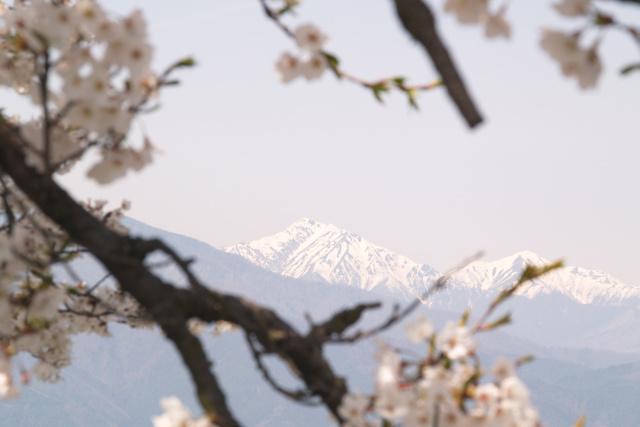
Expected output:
{"points": [[417, 19]]}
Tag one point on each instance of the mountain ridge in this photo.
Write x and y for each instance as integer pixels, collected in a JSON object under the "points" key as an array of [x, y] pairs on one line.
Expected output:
{"points": [[312, 250]]}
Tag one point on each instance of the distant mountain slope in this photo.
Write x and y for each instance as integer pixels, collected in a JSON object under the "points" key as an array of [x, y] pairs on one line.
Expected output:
{"points": [[119, 381], [311, 250]]}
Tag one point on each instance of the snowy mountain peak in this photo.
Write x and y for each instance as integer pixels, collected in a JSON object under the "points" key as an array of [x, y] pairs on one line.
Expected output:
{"points": [[312, 250], [315, 251], [579, 284]]}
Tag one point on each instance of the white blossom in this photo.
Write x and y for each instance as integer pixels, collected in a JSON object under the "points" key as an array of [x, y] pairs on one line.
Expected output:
{"points": [[584, 64], [586, 67], [467, 11], [419, 415], [116, 163], [496, 26], [573, 8], [353, 408], [456, 341], [503, 368], [309, 38], [45, 303], [420, 329], [7, 389], [46, 372], [61, 145], [177, 415], [288, 67], [560, 46], [314, 66]]}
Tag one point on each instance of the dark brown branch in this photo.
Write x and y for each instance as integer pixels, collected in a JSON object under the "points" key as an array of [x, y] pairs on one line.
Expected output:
{"points": [[301, 396], [118, 255], [340, 321], [303, 354], [417, 19], [171, 307]]}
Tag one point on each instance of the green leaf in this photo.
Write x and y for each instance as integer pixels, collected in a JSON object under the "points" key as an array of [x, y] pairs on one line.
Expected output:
{"points": [[524, 359], [289, 8], [581, 422], [399, 81], [378, 90], [629, 68], [465, 317], [186, 62], [504, 320], [333, 63], [170, 82], [412, 94], [532, 272]]}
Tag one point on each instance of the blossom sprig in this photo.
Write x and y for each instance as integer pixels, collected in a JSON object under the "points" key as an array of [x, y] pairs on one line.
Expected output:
{"points": [[576, 61], [447, 388], [101, 66], [177, 415], [38, 312], [477, 12], [316, 60]]}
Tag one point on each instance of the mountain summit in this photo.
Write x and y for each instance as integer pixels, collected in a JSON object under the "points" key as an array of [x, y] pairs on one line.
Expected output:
{"points": [[311, 250]]}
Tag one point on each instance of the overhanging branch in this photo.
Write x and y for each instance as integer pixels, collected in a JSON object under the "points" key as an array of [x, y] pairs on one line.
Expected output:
{"points": [[417, 19]]}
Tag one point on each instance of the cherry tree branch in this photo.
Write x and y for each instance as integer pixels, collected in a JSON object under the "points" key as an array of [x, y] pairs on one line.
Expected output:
{"points": [[417, 19], [377, 86], [171, 307], [117, 253]]}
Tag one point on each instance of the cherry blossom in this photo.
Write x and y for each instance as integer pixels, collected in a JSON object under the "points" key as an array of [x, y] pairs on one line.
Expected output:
{"points": [[496, 26], [177, 415], [288, 67], [456, 341], [309, 38], [314, 66], [447, 390], [583, 64], [467, 11], [573, 8], [419, 330]]}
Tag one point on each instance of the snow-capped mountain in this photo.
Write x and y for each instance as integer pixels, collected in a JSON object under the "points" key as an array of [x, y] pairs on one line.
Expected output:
{"points": [[315, 251], [579, 284], [310, 250]]}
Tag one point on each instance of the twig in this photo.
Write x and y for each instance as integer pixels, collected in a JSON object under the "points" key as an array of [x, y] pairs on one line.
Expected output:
{"points": [[377, 86], [301, 396]]}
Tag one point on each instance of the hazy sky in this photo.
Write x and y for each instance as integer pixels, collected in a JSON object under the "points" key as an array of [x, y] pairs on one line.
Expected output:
{"points": [[553, 170]]}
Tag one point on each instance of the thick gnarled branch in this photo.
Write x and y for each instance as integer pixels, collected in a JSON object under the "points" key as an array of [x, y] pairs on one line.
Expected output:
{"points": [[119, 256], [169, 306]]}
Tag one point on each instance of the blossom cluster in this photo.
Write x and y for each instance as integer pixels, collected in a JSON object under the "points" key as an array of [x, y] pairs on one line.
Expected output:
{"points": [[38, 312], [100, 69], [89, 75], [177, 415], [477, 12], [444, 389], [310, 40], [575, 61]]}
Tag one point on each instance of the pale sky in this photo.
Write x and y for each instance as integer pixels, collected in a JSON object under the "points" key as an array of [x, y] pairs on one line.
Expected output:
{"points": [[553, 170]]}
